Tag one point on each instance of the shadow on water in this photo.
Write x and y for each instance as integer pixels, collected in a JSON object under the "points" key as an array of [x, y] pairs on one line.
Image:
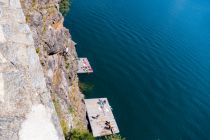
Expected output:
{"points": [[86, 87]]}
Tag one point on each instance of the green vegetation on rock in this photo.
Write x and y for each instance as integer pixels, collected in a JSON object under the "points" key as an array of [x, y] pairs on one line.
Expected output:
{"points": [[44, 28], [67, 65], [38, 50], [28, 18], [77, 134], [63, 122], [71, 110], [57, 107], [64, 127], [114, 137], [64, 7]]}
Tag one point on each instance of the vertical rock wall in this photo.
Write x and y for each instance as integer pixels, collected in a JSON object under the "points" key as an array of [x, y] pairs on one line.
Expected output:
{"points": [[26, 108]]}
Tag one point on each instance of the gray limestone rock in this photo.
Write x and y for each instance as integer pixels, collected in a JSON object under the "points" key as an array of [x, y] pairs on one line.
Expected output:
{"points": [[36, 19], [27, 111]]}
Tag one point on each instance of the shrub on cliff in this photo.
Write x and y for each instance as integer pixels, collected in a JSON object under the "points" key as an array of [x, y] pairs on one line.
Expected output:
{"points": [[64, 7], [77, 134], [114, 137]]}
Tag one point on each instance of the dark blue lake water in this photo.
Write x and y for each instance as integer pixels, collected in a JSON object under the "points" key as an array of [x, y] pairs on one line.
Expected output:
{"points": [[151, 59]]}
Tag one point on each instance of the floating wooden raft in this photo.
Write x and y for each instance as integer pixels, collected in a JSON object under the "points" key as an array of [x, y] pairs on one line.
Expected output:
{"points": [[101, 118], [84, 66]]}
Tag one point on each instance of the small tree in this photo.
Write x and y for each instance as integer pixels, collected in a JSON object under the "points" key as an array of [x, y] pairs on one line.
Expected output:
{"points": [[64, 7]]}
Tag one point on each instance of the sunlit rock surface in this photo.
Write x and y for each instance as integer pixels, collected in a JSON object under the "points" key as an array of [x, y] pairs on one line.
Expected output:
{"points": [[26, 108]]}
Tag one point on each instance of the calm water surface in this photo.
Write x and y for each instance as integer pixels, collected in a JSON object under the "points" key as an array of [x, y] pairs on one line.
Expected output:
{"points": [[151, 58]]}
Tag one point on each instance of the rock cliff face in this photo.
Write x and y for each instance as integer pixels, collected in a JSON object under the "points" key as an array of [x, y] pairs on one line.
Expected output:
{"points": [[26, 109], [58, 58], [37, 73]]}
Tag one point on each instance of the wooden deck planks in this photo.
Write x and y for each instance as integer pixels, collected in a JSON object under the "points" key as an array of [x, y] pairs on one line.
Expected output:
{"points": [[84, 66], [105, 114]]}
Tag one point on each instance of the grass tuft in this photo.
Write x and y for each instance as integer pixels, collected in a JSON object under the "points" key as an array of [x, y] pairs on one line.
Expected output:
{"points": [[37, 50]]}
